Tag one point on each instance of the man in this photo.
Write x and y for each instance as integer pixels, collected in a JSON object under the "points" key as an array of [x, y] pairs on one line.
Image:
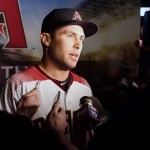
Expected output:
{"points": [[62, 35]]}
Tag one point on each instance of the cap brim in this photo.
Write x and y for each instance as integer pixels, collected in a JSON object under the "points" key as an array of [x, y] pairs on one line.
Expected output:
{"points": [[88, 27]]}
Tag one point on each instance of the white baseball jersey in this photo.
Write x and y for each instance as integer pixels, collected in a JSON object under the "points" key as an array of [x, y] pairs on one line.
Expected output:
{"points": [[21, 83]]}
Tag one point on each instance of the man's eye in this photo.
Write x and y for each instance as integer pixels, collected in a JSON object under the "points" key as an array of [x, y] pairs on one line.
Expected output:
{"points": [[70, 35], [82, 38]]}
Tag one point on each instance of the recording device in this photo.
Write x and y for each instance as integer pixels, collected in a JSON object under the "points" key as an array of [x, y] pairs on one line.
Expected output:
{"points": [[90, 114], [146, 29]]}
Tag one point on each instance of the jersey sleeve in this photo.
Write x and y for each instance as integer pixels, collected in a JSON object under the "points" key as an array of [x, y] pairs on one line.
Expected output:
{"points": [[7, 99]]}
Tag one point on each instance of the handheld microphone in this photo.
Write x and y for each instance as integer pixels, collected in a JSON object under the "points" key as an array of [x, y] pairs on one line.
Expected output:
{"points": [[90, 113], [146, 30]]}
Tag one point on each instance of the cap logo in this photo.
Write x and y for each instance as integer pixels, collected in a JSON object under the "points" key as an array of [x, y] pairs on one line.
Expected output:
{"points": [[76, 16]]}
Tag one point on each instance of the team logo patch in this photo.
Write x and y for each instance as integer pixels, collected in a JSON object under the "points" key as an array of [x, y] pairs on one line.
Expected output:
{"points": [[76, 16]]}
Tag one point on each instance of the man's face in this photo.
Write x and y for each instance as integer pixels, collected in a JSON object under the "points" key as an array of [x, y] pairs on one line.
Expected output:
{"points": [[66, 45]]}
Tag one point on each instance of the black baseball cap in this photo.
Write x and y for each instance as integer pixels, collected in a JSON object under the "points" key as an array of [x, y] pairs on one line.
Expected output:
{"points": [[64, 17]]}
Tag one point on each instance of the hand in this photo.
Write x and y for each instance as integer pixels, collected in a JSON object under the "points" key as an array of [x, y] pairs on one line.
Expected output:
{"points": [[139, 44], [28, 104], [56, 119], [56, 122]]}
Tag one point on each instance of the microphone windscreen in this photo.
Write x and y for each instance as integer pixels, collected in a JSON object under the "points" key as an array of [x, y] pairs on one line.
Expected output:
{"points": [[102, 114], [97, 105]]}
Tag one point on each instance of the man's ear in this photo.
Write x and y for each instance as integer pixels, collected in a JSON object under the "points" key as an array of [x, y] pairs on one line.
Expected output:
{"points": [[45, 39]]}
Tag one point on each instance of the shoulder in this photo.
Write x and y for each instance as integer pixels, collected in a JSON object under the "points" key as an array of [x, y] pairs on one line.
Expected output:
{"points": [[79, 79], [28, 74]]}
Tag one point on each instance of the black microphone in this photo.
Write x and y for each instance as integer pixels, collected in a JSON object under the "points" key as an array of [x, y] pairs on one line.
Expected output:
{"points": [[90, 114], [146, 30]]}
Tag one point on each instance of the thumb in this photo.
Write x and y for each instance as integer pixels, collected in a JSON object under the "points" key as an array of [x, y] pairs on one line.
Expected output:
{"points": [[33, 91]]}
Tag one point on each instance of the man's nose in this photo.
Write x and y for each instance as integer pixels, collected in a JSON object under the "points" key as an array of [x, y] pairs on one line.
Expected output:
{"points": [[77, 43]]}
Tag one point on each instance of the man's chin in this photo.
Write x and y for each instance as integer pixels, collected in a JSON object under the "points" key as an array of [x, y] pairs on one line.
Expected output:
{"points": [[71, 67]]}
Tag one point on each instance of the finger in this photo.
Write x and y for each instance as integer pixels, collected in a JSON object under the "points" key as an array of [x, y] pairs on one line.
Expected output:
{"points": [[58, 96], [55, 107], [33, 92], [34, 102], [62, 110], [138, 43], [30, 99], [37, 84]]}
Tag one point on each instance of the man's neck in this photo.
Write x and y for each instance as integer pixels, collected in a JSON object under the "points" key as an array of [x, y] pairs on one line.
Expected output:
{"points": [[54, 72]]}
